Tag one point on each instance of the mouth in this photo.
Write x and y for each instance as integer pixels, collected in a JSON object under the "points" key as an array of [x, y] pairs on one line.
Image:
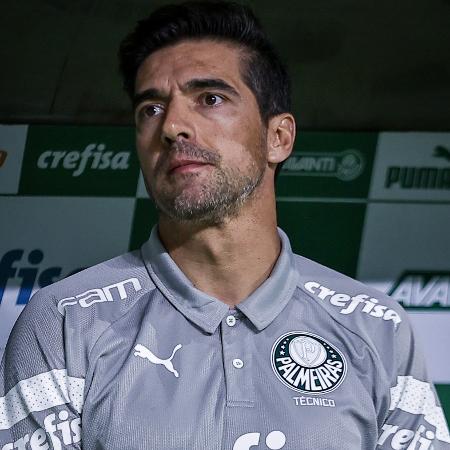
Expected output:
{"points": [[186, 166]]}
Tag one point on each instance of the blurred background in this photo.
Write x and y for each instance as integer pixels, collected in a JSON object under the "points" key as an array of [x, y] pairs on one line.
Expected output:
{"points": [[355, 65], [366, 191]]}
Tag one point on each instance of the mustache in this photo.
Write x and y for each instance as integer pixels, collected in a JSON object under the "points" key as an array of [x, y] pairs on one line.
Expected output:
{"points": [[184, 149]]}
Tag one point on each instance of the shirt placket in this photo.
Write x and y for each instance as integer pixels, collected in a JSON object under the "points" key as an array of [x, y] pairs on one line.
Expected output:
{"points": [[237, 359]]}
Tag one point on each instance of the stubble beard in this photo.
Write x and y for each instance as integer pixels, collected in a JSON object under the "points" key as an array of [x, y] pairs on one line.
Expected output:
{"points": [[218, 196]]}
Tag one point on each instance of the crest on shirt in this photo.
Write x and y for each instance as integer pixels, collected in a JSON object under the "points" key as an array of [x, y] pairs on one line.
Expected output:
{"points": [[308, 363]]}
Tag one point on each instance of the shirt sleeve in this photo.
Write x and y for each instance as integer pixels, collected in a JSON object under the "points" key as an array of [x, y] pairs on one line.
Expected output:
{"points": [[41, 398], [415, 419]]}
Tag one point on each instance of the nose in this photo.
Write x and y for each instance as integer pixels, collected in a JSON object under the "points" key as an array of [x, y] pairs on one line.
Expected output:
{"points": [[177, 122]]}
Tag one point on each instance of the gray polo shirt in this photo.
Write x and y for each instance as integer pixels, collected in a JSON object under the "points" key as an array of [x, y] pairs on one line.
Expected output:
{"points": [[128, 354]]}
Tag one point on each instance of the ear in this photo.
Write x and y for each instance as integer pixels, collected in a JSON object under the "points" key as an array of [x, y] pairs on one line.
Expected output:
{"points": [[281, 136]]}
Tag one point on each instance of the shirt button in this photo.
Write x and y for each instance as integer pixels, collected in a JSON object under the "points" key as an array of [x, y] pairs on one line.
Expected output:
{"points": [[231, 321], [238, 363]]}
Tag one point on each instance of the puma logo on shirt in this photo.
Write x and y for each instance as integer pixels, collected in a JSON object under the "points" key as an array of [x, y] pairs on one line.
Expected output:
{"points": [[145, 353]]}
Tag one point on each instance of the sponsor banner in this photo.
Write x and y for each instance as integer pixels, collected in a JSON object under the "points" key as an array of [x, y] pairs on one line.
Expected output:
{"points": [[329, 233], [329, 165], [405, 253], [46, 239], [12, 146], [79, 161], [412, 166], [433, 333], [422, 289]]}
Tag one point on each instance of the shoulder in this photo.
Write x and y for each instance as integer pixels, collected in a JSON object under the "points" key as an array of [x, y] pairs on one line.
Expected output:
{"points": [[63, 321], [371, 314], [378, 321], [119, 282]]}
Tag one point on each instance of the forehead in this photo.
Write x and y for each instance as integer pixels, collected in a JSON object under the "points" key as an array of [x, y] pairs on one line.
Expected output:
{"points": [[190, 59]]}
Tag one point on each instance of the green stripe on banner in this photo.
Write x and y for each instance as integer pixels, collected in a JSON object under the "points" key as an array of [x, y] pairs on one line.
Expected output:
{"points": [[443, 391], [329, 233]]}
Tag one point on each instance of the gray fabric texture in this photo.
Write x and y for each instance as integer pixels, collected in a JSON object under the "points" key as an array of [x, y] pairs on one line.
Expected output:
{"points": [[128, 354]]}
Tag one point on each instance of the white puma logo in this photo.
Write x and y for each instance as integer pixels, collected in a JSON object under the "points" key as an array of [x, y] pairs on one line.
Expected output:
{"points": [[145, 353]]}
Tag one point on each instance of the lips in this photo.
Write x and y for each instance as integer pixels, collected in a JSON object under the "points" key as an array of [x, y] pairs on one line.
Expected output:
{"points": [[185, 165]]}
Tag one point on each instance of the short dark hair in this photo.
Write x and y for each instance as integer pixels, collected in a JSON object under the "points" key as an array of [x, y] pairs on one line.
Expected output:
{"points": [[262, 70]]}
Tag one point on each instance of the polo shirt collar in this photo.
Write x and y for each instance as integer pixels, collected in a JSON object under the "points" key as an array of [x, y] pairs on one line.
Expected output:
{"points": [[261, 307]]}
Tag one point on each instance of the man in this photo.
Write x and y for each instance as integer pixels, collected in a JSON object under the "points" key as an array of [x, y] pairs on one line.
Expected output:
{"points": [[214, 335]]}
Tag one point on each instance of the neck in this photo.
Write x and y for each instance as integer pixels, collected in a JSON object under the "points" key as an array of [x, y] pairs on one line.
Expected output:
{"points": [[230, 260]]}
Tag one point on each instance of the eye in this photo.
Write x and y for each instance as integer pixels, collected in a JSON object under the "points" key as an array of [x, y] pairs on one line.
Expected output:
{"points": [[150, 110], [212, 99]]}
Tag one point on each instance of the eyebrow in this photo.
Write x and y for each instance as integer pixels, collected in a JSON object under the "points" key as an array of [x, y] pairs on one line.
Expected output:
{"points": [[191, 85], [148, 94], [210, 83]]}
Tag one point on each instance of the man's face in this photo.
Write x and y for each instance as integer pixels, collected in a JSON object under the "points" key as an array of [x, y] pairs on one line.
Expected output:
{"points": [[200, 137]]}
